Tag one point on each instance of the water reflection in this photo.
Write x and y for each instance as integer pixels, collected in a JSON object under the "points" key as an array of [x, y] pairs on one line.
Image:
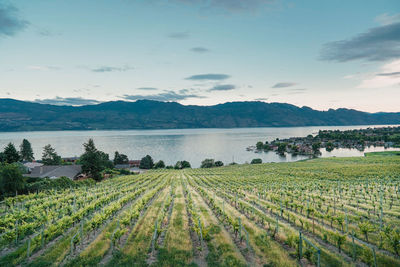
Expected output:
{"points": [[193, 145]]}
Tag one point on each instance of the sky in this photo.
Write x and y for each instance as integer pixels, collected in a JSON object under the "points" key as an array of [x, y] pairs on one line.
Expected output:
{"points": [[320, 54]]}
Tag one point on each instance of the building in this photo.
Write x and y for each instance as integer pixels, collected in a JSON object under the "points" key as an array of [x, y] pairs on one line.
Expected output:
{"points": [[56, 171], [70, 159], [31, 165], [134, 163], [122, 166]]}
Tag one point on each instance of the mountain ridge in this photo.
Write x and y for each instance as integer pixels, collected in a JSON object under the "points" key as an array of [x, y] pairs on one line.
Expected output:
{"points": [[17, 115]]}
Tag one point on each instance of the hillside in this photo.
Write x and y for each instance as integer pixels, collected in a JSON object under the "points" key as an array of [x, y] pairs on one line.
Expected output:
{"points": [[241, 215], [18, 115]]}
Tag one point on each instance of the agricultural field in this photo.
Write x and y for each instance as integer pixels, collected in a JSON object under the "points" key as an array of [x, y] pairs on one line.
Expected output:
{"points": [[321, 212]]}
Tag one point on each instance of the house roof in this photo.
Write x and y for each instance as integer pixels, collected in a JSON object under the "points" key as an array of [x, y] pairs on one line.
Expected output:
{"points": [[56, 171], [32, 165]]}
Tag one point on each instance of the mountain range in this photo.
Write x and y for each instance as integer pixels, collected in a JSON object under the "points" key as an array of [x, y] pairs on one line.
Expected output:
{"points": [[16, 115]]}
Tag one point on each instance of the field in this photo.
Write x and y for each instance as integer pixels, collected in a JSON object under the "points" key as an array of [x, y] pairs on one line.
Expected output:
{"points": [[327, 212]]}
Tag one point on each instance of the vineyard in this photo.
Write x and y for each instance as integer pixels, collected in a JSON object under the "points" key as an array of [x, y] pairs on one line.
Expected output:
{"points": [[321, 212]]}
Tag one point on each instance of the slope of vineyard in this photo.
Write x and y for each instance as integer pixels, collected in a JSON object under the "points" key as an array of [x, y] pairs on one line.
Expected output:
{"points": [[327, 212]]}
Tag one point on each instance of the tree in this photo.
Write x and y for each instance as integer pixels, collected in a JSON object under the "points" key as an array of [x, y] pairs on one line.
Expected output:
{"points": [[207, 163], [50, 157], [316, 147], [256, 161], [10, 153], [26, 151], [11, 179], [259, 145], [282, 148], [159, 165], [146, 163], [218, 163], [182, 165], [94, 161], [329, 146], [120, 158]]}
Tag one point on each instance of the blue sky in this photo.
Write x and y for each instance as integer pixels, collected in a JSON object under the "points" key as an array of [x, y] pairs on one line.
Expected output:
{"points": [[322, 54]]}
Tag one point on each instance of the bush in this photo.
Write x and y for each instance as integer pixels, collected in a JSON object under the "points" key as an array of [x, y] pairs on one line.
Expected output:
{"points": [[256, 161]]}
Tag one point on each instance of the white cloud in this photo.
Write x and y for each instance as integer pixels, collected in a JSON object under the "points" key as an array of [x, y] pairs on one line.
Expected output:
{"points": [[386, 19], [388, 76]]}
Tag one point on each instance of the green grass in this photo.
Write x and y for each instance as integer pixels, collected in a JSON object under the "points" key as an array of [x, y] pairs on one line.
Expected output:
{"points": [[384, 153]]}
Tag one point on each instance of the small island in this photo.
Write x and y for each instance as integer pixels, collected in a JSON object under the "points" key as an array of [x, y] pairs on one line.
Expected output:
{"points": [[330, 140]]}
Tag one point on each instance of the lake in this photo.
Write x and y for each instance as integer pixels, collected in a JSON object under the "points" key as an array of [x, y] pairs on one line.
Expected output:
{"points": [[193, 145]]}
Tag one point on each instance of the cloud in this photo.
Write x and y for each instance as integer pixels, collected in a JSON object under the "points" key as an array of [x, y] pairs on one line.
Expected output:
{"points": [[397, 73], [179, 35], [210, 76], [283, 85], [67, 101], [227, 5], [200, 49], [147, 88], [386, 19], [165, 96], [261, 99], [111, 69], [35, 67], [298, 90], [10, 23], [222, 87], [377, 44], [389, 75]]}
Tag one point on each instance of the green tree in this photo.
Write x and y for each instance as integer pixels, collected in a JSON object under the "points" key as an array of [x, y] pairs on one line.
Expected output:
{"points": [[146, 163], [120, 158], [315, 147], [50, 157], [11, 154], [282, 148], [259, 145], [26, 151], [11, 179], [182, 165], [94, 161], [159, 165], [256, 161], [207, 163], [218, 163]]}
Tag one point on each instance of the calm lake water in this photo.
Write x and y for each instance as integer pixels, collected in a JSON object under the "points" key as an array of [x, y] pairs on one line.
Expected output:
{"points": [[193, 145]]}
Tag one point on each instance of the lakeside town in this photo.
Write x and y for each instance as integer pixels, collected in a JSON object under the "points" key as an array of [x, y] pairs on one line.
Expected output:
{"points": [[331, 139]]}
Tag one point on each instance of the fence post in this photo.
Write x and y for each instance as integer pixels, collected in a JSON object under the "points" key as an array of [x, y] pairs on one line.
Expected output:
{"points": [[72, 243], [42, 236], [319, 258], [16, 232], [373, 251], [300, 246], [201, 232], [154, 237], [354, 246], [28, 251], [81, 231], [240, 229], [277, 224], [247, 239]]}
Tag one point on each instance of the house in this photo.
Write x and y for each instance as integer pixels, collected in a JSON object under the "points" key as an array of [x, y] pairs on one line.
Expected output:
{"points": [[122, 166], [134, 163], [31, 165], [56, 171], [70, 159]]}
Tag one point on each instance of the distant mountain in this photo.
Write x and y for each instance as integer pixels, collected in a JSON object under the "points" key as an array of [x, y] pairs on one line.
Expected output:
{"points": [[18, 115]]}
